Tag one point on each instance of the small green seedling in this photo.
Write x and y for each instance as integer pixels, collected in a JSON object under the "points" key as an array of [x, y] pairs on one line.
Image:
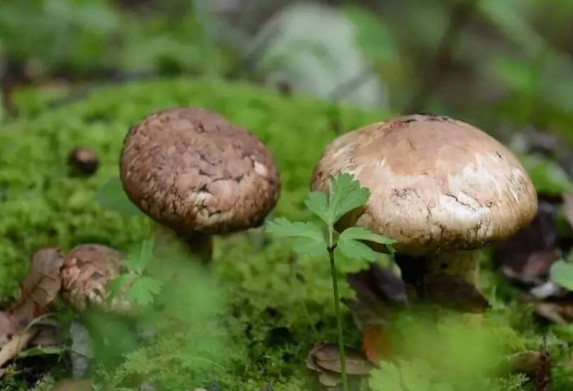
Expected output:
{"points": [[345, 196], [139, 289], [562, 274]]}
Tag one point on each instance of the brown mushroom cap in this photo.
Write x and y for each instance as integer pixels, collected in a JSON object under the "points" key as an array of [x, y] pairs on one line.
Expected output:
{"points": [[436, 183], [86, 273], [191, 170]]}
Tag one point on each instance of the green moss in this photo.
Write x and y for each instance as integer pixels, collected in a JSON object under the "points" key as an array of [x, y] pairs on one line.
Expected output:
{"points": [[279, 305]]}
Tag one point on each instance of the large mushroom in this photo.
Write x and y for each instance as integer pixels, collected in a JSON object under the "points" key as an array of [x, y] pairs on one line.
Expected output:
{"points": [[197, 174], [440, 187]]}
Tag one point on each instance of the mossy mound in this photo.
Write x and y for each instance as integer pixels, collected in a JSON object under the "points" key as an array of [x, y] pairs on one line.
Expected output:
{"points": [[277, 299]]}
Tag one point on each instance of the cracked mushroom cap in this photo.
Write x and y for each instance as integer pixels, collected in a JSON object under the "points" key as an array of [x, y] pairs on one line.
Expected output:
{"points": [[191, 170], [86, 273], [436, 183]]}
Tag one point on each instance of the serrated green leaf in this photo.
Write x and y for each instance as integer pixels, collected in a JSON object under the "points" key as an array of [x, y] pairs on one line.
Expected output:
{"points": [[143, 290], [345, 196], [310, 238], [116, 284], [349, 243], [353, 249], [360, 233], [562, 274], [139, 256], [317, 203], [112, 196]]}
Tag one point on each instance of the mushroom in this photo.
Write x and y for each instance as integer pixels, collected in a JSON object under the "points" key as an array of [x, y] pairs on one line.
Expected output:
{"points": [[440, 187], [86, 273], [197, 174], [83, 160]]}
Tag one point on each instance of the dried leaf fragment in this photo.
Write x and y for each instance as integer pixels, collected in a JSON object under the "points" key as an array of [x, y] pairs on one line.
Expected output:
{"points": [[42, 284], [325, 357]]}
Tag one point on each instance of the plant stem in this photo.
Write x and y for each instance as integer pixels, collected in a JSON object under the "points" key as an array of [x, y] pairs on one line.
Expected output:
{"points": [[341, 352]]}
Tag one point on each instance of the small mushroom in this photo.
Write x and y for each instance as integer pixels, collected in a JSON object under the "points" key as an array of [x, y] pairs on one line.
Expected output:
{"points": [[86, 273], [440, 187], [195, 173], [83, 160]]}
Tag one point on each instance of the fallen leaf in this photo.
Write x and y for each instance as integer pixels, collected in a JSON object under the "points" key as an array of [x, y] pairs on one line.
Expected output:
{"points": [[379, 283], [378, 345], [72, 385], [527, 256], [549, 289], [37, 291], [329, 379], [559, 312], [455, 293], [326, 357], [379, 291], [41, 285], [15, 346]]}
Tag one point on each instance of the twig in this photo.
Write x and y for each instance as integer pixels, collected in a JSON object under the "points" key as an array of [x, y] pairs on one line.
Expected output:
{"points": [[460, 15], [543, 374]]}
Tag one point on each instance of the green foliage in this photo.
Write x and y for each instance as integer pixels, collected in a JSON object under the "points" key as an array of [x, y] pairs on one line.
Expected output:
{"points": [[310, 238], [139, 289], [81, 36], [42, 204], [345, 196], [547, 176], [112, 196], [562, 274], [350, 243], [445, 353]]}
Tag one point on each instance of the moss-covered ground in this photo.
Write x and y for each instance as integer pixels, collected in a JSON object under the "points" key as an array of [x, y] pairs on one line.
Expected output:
{"points": [[275, 297], [276, 304]]}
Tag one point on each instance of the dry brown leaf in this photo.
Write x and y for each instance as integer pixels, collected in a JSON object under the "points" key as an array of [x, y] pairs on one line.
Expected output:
{"points": [[15, 346], [326, 357], [559, 312], [37, 291], [72, 385], [41, 285], [329, 379]]}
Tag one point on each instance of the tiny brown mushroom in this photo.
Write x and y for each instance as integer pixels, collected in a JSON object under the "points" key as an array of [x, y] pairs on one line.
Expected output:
{"points": [[83, 160], [197, 174], [86, 273], [440, 187]]}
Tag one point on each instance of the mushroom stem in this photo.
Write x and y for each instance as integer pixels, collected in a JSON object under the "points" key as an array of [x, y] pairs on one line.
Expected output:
{"points": [[200, 245], [196, 244], [464, 264]]}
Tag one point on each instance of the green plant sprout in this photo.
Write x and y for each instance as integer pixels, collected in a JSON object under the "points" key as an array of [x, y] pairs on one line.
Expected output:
{"points": [[139, 289], [345, 195]]}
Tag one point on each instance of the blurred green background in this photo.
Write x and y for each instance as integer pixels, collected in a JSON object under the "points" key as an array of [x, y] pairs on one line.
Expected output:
{"points": [[502, 65]]}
